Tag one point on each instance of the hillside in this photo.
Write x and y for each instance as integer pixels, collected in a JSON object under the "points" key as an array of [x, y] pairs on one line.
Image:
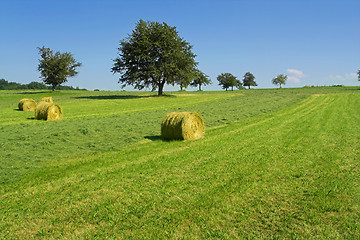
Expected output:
{"points": [[273, 164]]}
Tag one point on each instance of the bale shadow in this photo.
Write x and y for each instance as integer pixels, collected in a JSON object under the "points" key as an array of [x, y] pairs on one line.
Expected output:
{"points": [[120, 97], [111, 97], [30, 118], [16, 109], [33, 92], [153, 138]]}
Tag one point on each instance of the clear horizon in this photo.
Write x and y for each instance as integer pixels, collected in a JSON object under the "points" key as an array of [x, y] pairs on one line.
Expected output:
{"points": [[313, 42]]}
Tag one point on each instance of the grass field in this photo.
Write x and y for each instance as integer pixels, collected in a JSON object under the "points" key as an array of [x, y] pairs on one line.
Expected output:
{"points": [[273, 164]]}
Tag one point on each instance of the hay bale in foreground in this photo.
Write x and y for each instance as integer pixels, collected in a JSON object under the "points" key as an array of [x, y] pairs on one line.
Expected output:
{"points": [[48, 111], [47, 99], [27, 104], [182, 126]]}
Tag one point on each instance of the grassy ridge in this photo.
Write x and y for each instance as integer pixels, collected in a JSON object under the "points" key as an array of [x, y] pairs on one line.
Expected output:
{"points": [[285, 174]]}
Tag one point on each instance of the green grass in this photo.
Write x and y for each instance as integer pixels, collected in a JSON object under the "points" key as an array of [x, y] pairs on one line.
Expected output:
{"points": [[273, 164]]}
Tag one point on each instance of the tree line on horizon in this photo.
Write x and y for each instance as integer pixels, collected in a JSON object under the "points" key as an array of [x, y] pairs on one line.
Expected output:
{"points": [[6, 85], [152, 56]]}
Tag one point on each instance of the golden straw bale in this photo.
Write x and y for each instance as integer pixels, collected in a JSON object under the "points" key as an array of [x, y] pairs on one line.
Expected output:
{"points": [[48, 111], [47, 99], [27, 104], [182, 126]]}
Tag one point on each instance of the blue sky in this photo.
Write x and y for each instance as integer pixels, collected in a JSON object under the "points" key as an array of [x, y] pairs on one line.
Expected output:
{"points": [[314, 42]]}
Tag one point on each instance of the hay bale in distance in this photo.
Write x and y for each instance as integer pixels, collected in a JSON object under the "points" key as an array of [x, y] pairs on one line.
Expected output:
{"points": [[182, 126], [48, 111], [47, 99], [27, 104]]}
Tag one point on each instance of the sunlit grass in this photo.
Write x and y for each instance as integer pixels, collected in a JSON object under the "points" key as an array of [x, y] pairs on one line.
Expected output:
{"points": [[287, 170]]}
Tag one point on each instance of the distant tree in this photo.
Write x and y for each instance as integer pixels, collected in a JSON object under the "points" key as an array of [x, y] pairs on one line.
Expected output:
{"points": [[359, 74], [5, 85], [56, 67], [227, 80], [239, 85], [201, 79], [152, 56], [36, 85], [249, 80], [279, 80], [184, 79]]}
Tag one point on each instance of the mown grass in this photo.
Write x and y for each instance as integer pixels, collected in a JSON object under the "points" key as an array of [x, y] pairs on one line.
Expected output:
{"points": [[287, 169]]}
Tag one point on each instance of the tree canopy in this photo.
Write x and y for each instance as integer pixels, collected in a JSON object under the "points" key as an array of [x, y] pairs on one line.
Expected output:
{"points": [[56, 67], [154, 55], [227, 80], [201, 79], [279, 80], [249, 80]]}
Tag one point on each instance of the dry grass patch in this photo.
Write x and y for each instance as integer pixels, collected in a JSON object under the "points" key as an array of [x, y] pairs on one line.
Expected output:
{"points": [[48, 111], [27, 104], [182, 126]]}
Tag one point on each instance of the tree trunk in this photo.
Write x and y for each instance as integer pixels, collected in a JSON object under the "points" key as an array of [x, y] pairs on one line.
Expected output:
{"points": [[249, 86], [160, 90], [232, 88], [53, 88], [199, 87], [280, 85]]}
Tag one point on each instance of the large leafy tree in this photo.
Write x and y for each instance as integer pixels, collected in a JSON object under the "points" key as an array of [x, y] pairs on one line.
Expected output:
{"points": [[152, 56], [227, 80], [56, 67], [249, 80], [279, 80], [201, 79]]}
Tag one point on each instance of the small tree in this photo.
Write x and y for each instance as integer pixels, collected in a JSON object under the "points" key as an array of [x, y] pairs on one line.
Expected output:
{"points": [[239, 85], [359, 74], [227, 80], [56, 67], [152, 56], [200, 80], [184, 79], [279, 80], [249, 80]]}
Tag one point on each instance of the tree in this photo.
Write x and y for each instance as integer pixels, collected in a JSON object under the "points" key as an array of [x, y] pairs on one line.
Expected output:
{"points": [[227, 80], [185, 79], [201, 79], [279, 80], [249, 80], [152, 56], [239, 85], [359, 74], [56, 67]]}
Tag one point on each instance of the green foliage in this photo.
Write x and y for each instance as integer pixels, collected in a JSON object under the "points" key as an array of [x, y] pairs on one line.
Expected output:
{"points": [[279, 80], [227, 80], [201, 79], [154, 55], [56, 67], [5, 85], [249, 80]]}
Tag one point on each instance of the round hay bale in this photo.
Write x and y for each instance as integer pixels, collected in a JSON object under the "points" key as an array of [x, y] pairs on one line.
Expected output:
{"points": [[182, 126], [47, 99], [27, 104], [48, 111]]}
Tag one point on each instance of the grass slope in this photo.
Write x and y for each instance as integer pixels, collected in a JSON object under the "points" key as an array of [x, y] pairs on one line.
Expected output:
{"points": [[290, 173]]}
